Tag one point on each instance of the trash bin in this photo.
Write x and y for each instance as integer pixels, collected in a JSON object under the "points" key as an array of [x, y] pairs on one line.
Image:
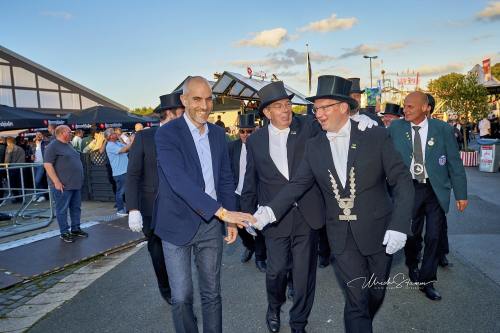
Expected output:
{"points": [[489, 158]]}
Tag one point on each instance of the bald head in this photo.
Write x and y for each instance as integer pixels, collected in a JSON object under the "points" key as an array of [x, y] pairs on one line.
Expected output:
{"points": [[197, 100], [194, 81], [416, 106]]}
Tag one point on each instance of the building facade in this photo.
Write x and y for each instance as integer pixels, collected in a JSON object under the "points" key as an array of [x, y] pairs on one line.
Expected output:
{"points": [[26, 84]]}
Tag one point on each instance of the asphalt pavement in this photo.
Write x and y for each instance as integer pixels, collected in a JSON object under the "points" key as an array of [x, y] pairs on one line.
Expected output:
{"points": [[126, 298]]}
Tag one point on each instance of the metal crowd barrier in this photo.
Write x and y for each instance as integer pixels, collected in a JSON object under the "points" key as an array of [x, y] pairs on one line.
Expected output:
{"points": [[18, 195]]}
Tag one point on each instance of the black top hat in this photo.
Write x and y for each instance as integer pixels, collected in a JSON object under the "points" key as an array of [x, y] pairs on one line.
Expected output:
{"points": [[247, 120], [334, 87], [432, 102], [170, 101], [393, 109], [355, 88], [272, 92]]}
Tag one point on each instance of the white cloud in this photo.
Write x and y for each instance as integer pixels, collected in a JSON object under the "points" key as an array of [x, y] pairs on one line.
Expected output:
{"points": [[331, 23], [359, 50], [396, 46], [266, 38], [491, 12], [427, 70], [284, 60], [62, 15]]}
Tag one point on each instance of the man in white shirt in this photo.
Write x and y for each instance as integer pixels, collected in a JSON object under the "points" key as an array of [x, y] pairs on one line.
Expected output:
{"points": [[76, 142], [484, 128], [351, 169], [429, 150], [274, 154]]}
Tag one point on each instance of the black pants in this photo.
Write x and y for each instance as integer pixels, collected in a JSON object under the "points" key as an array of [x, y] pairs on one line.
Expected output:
{"points": [[426, 208], [354, 271], [323, 246], [298, 254], [444, 246], [256, 244], [156, 252]]}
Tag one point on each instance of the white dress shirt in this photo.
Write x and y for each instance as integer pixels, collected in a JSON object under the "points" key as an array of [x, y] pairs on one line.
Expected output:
{"points": [[424, 129], [202, 145], [243, 168], [339, 145], [277, 148]]}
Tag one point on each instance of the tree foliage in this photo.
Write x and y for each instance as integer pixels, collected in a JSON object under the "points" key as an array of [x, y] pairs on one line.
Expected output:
{"points": [[495, 71], [462, 95], [144, 111]]}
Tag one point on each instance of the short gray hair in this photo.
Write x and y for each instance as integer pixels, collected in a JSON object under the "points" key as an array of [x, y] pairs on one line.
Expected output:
{"points": [[108, 132]]}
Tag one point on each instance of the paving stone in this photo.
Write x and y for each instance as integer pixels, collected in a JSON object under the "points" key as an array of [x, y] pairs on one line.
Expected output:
{"points": [[15, 297], [33, 310], [47, 298], [18, 324]]}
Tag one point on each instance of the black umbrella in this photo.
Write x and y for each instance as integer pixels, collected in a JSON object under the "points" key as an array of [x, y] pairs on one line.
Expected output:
{"points": [[16, 118], [104, 117]]}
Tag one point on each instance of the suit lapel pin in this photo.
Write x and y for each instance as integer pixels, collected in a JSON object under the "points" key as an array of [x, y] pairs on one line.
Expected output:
{"points": [[353, 146], [408, 136], [293, 132], [431, 142]]}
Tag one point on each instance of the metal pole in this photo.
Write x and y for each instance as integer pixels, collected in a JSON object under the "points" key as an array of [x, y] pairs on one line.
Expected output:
{"points": [[371, 79]]}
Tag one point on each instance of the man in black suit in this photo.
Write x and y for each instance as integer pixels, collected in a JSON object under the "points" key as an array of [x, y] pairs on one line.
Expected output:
{"points": [[142, 187], [356, 95], [273, 156], [238, 157], [352, 169]]}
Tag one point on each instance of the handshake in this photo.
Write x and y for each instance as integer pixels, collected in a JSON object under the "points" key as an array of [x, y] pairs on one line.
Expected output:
{"points": [[262, 217]]}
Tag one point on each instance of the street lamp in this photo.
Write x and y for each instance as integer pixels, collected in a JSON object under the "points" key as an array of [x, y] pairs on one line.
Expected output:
{"points": [[370, 57]]}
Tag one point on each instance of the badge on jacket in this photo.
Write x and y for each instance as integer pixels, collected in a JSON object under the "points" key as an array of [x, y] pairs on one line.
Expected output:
{"points": [[442, 160]]}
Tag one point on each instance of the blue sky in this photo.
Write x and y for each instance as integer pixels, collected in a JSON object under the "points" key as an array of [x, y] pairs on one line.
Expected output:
{"points": [[133, 51]]}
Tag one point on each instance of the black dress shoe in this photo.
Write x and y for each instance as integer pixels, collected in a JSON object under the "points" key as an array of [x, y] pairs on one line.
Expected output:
{"points": [[413, 274], [323, 262], [261, 265], [273, 320], [246, 255], [443, 262], [430, 292]]}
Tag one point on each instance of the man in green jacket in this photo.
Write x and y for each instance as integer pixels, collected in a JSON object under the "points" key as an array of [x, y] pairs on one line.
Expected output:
{"points": [[430, 151]]}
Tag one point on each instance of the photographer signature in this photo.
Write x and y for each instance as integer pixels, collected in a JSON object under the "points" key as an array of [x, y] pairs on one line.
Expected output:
{"points": [[397, 281]]}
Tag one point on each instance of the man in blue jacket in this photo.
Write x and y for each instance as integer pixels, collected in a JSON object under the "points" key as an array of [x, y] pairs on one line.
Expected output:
{"points": [[196, 193]]}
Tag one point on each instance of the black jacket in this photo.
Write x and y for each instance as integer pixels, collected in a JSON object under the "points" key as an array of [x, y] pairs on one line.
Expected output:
{"points": [[376, 163], [263, 180], [142, 174], [234, 148]]}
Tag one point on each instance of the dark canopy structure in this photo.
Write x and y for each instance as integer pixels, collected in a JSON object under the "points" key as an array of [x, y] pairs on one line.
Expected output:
{"points": [[240, 87], [12, 118], [105, 117]]}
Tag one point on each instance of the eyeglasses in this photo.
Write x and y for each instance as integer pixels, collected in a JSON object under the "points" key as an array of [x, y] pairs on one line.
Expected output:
{"points": [[281, 106], [324, 108], [248, 131]]}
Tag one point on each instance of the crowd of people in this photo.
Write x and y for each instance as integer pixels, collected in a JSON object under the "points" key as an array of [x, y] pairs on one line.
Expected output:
{"points": [[304, 191], [343, 187]]}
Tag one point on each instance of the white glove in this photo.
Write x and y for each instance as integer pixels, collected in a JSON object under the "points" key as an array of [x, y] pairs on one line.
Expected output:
{"points": [[135, 220], [264, 216], [394, 240], [363, 121]]}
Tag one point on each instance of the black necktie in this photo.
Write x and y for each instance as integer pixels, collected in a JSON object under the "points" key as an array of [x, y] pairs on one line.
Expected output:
{"points": [[418, 157]]}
